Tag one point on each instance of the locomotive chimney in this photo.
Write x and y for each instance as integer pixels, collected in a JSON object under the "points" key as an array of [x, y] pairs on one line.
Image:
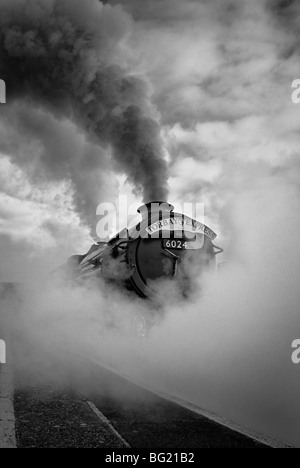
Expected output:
{"points": [[153, 209]]}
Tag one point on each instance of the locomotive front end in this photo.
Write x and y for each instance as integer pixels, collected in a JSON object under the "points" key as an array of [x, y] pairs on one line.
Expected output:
{"points": [[163, 245], [167, 244]]}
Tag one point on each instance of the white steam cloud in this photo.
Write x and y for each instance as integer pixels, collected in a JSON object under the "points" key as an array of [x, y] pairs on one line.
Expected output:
{"points": [[221, 74], [64, 62], [228, 349]]}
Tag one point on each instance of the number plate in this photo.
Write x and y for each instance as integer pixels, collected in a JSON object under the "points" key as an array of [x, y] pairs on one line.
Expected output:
{"points": [[177, 244]]}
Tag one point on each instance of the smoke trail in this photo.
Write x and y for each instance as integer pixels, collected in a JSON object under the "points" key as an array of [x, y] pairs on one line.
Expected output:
{"points": [[70, 61], [229, 350], [226, 348]]}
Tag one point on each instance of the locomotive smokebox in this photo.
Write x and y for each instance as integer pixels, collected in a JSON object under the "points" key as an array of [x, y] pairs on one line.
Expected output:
{"points": [[164, 244], [155, 210]]}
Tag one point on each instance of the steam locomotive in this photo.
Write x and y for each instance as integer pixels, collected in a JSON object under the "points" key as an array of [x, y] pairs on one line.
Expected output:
{"points": [[164, 245]]}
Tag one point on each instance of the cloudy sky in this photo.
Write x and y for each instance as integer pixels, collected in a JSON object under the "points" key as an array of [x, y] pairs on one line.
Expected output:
{"points": [[188, 100], [212, 83]]}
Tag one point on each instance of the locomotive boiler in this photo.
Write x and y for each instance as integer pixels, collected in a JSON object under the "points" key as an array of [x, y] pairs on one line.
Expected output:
{"points": [[163, 245]]}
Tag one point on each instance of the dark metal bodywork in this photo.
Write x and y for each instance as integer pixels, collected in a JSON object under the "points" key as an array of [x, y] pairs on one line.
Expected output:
{"points": [[160, 246]]}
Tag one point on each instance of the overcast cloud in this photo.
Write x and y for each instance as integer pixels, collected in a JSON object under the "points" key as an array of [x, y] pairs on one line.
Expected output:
{"points": [[185, 99], [220, 74]]}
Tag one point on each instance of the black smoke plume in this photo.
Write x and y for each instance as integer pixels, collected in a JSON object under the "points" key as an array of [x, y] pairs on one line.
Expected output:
{"points": [[69, 58]]}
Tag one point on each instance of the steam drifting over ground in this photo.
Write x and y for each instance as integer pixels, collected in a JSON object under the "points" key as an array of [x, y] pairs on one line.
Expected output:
{"points": [[220, 73], [227, 349]]}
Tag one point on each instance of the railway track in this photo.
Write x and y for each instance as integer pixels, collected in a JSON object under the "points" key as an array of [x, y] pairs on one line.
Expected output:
{"points": [[148, 418]]}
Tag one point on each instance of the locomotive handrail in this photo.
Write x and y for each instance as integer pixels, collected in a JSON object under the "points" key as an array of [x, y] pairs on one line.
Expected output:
{"points": [[219, 250], [125, 242], [176, 259]]}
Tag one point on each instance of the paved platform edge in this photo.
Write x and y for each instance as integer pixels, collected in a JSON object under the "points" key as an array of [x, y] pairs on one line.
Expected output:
{"points": [[7, 413], [257, 437]]}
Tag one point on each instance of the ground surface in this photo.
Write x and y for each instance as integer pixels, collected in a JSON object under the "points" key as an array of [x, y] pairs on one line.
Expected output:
{"points": [[160, 425], [148, 421], [61, 418], [47, 418]]}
